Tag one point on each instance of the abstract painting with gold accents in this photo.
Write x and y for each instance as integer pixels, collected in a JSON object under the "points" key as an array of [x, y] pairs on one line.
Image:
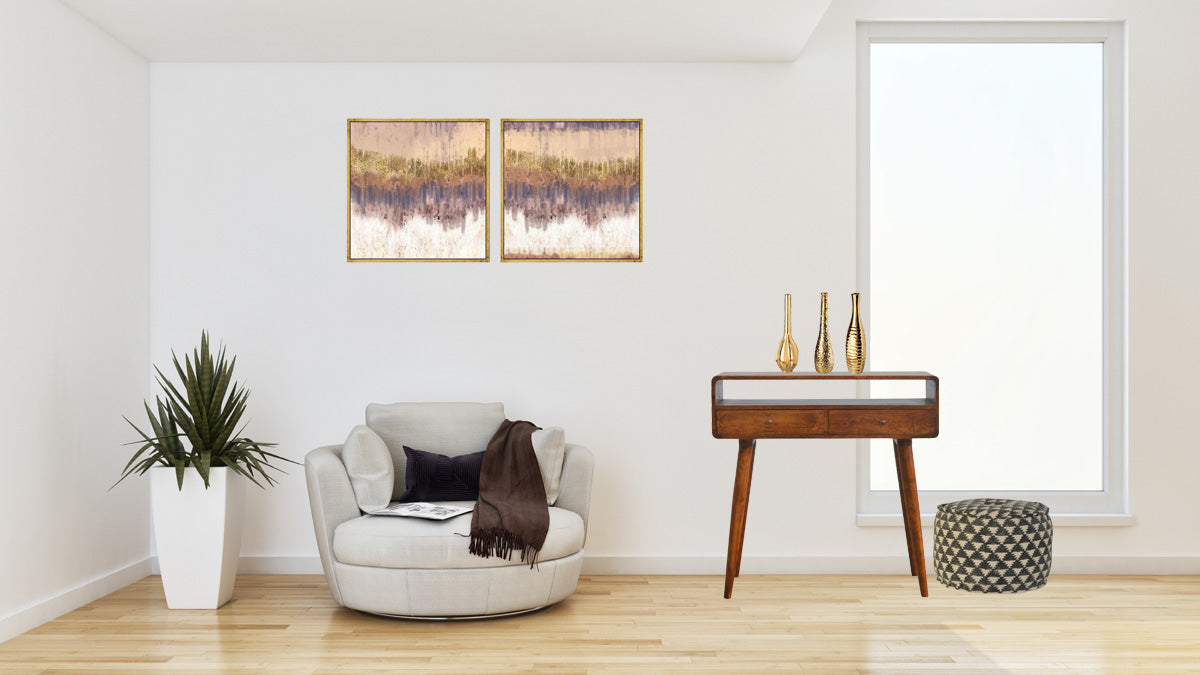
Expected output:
{"points": [[418, 190], [572, 190]]}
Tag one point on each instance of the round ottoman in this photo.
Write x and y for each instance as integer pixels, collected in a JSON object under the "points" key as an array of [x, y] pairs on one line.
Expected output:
{"points": [[992, 545]]}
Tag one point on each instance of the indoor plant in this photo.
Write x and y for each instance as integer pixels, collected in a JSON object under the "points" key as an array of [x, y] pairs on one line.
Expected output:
{"points": [[198, 514]]}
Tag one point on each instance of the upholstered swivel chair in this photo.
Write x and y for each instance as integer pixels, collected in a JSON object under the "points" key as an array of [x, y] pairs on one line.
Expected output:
{"points": [[410, 567]]}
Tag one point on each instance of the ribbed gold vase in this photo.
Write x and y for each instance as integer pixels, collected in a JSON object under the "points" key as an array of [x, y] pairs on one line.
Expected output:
{"points": [[787, 355], [856, 345], [823, 355]]}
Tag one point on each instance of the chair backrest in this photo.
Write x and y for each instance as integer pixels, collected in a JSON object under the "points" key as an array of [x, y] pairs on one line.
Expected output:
{"points": [[445, 428]]}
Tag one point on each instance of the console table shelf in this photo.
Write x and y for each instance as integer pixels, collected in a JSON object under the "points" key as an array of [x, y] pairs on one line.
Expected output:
{"points": [[901, 419], [826, 402]]}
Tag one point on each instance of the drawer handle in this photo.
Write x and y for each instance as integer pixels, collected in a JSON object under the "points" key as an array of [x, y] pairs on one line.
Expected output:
{"points": [[768, 420], [883, 421]]}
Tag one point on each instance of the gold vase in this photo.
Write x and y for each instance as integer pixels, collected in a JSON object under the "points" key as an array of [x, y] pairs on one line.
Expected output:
{"points": [[856, 346], [787, 355], [823, 355]]}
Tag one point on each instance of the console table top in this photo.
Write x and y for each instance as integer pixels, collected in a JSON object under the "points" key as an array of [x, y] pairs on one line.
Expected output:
{"points": [[867, 375], [930, 400]]}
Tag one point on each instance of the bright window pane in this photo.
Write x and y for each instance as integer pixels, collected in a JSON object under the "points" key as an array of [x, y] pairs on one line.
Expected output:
{"points": [[986, 258]]}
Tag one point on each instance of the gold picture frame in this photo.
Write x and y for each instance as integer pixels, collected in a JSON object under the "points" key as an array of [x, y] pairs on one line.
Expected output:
{"points": [[580, 183], [418, 190]]}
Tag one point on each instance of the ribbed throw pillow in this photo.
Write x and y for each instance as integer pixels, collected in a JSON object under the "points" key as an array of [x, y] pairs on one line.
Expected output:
{"points": [[369, 465], [430, 477]]}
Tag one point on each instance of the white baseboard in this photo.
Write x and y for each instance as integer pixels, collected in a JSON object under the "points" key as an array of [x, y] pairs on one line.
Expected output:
{"points": [[715, 564], [1126, 564], [891, 564], [280, 564], [71, 599], [1060, 520], [633, 564], [268, 564]]}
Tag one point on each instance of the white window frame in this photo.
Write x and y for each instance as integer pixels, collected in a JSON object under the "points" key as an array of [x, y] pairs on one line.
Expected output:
{"points": [[1105, 507]]}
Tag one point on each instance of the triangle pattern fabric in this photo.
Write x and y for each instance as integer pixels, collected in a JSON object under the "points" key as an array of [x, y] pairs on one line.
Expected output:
{"points": [[992, 545]]}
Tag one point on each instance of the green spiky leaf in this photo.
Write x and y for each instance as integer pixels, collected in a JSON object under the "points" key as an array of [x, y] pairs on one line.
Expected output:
{"points": [[205, 408]]}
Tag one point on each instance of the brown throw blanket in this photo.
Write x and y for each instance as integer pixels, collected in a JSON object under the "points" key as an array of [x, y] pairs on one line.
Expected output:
{"points": [[511, 512]]}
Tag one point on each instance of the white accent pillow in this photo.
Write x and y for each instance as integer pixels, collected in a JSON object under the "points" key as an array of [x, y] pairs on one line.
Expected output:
{"points": [[550, 446], [369, 465], [445, 428]]}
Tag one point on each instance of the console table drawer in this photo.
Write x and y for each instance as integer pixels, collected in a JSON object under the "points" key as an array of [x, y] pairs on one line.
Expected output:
{"points": [[768, 423], [883, 423]]}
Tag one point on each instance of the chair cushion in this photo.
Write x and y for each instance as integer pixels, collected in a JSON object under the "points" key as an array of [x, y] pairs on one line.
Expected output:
{"points": [[369, 465], [415, 543], [550, 446], [430, 477], [445, 428]]}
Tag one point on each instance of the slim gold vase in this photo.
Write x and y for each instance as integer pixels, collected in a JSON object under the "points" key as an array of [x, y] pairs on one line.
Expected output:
{"points": [[856, 346], [823, 355], [787, 355]]}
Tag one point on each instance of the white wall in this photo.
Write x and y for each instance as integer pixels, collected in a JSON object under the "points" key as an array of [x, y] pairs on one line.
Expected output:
{"points": [[74, 195], [749, 193]]}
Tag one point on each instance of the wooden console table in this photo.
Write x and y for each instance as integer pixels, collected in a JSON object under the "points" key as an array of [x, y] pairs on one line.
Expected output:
{"points": [[898, 419]]}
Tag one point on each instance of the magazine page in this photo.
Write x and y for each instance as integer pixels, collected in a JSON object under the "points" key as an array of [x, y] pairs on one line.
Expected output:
{"points": [[423, 510]]}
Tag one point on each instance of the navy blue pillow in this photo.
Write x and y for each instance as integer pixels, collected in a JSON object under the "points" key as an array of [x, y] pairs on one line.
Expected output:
{"points": [[430, 477]]}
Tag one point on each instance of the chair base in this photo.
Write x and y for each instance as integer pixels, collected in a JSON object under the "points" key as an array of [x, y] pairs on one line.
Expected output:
{"points": [[476, 617], [447, 594]]}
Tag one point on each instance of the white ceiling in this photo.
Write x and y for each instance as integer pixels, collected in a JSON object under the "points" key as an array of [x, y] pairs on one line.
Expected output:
{"points": [[458, 30]]}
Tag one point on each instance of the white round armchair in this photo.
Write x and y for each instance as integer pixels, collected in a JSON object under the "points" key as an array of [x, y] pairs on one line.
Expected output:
{"points": [[421, 568]]}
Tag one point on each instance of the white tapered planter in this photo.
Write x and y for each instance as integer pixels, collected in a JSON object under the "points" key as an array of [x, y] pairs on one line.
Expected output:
{"points": [[199, 535]]}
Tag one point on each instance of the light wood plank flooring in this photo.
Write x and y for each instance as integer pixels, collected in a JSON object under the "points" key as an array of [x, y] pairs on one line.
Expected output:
{"points": [[645, 624]]}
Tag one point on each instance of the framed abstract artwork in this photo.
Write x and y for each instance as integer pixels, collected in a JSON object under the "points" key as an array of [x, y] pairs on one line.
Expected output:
{"points": [[572, 190], [417, 190]]}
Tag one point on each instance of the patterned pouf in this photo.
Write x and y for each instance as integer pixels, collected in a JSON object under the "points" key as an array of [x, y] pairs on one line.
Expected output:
{"points": [[992, 545]]}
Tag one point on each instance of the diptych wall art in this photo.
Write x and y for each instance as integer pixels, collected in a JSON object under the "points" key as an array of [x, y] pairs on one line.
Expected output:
{"points": [[572, 190], [417, 190]]}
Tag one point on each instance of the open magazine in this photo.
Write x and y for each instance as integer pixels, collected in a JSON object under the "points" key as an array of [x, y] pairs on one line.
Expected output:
{"points": [[423, 510]]}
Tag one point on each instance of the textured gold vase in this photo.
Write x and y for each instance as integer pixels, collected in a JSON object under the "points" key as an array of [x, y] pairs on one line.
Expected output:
{"points": [[856, 346], [788, 354], [823, 355]]}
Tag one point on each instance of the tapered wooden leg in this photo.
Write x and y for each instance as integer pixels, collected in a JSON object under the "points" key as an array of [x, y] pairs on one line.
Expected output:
{"points": [[911, 509], [737, 515], [908, 527], [737, 568]]}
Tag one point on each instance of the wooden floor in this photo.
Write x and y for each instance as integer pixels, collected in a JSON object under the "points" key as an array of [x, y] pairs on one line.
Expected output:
{"points": [[645, 624]]}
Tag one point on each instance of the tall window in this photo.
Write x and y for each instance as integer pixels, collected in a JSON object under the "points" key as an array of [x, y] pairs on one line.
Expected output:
{"points": [[992, 254]]}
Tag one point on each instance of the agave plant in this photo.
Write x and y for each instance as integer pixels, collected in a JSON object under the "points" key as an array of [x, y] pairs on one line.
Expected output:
{"points": [[206, 409]]}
